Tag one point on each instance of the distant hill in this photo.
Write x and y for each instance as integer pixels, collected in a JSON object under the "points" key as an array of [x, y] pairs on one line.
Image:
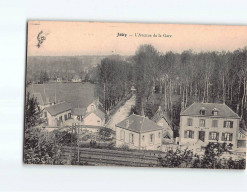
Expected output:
{"points": [[63, 66], [62, 63]]}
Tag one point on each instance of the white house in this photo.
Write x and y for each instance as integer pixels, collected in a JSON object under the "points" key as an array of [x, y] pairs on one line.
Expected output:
{"points": [[59, 80], [76, 79], [202, 123], [139, 132], [78, 113], [161, 118], [57, 114], [94, 118]]}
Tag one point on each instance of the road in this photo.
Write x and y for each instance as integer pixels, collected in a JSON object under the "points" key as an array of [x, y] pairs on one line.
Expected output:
{"points": [[122, 113]]}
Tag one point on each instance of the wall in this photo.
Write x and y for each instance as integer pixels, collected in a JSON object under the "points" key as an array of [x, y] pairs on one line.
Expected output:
{"points": [[52, 119], [145, 144], [92, 119], [162, 122]]}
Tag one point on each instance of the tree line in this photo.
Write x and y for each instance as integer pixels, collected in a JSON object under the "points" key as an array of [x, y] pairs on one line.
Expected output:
{"points": [[178, 79]]}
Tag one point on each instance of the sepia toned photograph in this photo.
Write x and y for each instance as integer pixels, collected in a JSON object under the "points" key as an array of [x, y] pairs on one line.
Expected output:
{"points": [[135, 95]]}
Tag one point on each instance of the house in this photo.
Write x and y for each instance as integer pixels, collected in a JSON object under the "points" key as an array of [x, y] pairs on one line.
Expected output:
{"points": [[76, 79], [59, 80], [161, 118], [95, 118], [78, 113], [57, 114], [208, 122], [94, 105], [139, 132]]}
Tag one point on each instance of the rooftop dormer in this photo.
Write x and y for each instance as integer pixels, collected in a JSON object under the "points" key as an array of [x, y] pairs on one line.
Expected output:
{"points": [[215, 112], [202, 111]]}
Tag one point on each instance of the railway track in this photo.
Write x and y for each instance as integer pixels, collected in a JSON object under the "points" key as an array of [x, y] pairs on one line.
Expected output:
{"points": [[111, 157]]}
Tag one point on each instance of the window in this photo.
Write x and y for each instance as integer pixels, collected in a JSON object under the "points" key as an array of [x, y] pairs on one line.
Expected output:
{"points": [[131, 137], [189, 134], [143, 138], [61, 118], [69, 115], [226, 136], [214, 136], [65, 117], [215, 113], [189, 121], [202, 123], [122, 135], [228, 124], [202, 111], [92, 107], [151, 138], [215, 123]]}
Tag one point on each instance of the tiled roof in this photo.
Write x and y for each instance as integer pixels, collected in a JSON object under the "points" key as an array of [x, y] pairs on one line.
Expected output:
{"points": [[223, 110], [98, 112], [138, 124], [59, 108], [161, 114], [79, 111], [83, 97]]}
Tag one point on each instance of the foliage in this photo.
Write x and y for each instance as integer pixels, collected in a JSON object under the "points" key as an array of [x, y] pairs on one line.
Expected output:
{"points": [[114, 77], [105, 133], [176, 158], [32, 111], [43, 78], [212, 158]]}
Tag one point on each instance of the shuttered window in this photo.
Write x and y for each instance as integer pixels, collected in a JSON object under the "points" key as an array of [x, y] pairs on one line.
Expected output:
{"points": [[226, 136], [214, 136], [189, 134], [228, 124]]}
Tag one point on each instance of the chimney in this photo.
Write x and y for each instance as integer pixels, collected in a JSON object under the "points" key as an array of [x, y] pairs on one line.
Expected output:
{"points": [[127, 123]]}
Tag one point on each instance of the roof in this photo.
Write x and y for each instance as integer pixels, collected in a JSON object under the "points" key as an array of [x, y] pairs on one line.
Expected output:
{"points": [[223, 110], [138, 124], [59, 108], [76, 77], [79, 111], [161, 114], [97, 112], [81, 95], [242, 131]]}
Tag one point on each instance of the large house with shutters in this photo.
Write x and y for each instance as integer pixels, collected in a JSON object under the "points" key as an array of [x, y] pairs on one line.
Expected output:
{"points": [[57, 114], [139, 132], [202, 123]]}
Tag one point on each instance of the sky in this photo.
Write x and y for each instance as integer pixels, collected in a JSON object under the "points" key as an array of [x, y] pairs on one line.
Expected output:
{"points": [[92, 38]]}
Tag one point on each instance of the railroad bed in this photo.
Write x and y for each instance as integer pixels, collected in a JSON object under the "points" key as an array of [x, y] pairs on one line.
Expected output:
{"points": [[94, 156]]}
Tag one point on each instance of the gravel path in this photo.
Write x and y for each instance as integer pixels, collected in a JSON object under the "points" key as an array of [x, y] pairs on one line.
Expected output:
{"points": [[122, 113]]}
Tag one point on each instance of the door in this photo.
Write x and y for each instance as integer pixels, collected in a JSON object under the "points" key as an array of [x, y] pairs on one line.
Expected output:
{"points": [[201, 136]]}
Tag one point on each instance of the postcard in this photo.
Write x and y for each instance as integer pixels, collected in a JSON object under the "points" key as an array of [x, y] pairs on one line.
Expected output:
{"points": [[136, 94]]}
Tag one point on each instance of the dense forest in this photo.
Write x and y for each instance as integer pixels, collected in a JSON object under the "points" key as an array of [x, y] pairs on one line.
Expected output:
{"points": [[176, 80]]}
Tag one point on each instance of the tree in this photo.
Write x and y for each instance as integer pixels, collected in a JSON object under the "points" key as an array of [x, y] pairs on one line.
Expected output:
{"points": [[32, 111]]}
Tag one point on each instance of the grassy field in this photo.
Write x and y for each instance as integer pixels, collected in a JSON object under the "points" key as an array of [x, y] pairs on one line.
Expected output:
{"points": [[78, 94]]}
